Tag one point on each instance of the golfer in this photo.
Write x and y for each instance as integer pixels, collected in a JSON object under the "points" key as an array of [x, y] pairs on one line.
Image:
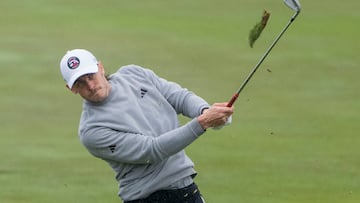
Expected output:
{"points": [[130, 120]]}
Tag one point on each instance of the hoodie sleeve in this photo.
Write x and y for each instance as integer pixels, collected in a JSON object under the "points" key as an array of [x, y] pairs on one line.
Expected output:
{"points": [[134, 148], [184, 101]]}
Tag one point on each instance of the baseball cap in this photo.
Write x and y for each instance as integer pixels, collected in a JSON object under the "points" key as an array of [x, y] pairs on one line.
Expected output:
{"points": [[76, 63]]}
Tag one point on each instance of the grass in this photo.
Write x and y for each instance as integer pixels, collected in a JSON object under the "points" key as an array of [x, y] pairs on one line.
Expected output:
{"points": [[294, 135]]}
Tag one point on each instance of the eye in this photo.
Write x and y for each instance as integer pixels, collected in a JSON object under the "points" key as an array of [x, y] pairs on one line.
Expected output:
{"points": [[90, 76], [79, 84], [82, 81]]}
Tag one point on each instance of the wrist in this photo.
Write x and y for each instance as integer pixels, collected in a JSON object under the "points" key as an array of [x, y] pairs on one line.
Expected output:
{"points": [[203, 110], [203, 121]]}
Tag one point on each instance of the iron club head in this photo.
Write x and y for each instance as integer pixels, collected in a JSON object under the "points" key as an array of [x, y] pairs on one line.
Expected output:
{"points": [[293, 4]]}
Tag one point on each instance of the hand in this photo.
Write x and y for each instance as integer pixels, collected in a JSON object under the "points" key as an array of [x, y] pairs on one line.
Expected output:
{"points": [[228, 122], [217, 115]]}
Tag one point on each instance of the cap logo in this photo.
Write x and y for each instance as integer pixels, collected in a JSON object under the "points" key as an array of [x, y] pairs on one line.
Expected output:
{"points": [[73, 62]]}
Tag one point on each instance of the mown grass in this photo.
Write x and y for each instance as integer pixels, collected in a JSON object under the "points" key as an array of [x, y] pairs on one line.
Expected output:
{"points": [[294, 134]]}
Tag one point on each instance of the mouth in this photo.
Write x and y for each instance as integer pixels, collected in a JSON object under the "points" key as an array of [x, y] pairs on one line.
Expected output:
{"points": [[95, 92], [97, 95]]}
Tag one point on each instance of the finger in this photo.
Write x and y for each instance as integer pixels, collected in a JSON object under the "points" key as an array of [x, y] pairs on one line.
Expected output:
{"points": [[223, 104]]}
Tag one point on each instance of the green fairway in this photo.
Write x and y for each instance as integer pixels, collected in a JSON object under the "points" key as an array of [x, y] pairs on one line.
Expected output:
{"points": [[295, 133]]}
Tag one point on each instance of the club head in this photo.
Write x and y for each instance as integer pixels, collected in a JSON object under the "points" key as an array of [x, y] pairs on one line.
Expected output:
{"points": [[293, 4]]}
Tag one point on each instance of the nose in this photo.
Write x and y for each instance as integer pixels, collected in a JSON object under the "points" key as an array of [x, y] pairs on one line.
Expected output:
{"points": [[90, 84]]}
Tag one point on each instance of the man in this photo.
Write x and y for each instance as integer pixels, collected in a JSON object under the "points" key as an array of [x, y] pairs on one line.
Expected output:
{"points": [[129, 119]]}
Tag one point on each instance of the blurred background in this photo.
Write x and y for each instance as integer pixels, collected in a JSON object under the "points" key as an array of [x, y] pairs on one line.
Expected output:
{"points": [[294, 136]]}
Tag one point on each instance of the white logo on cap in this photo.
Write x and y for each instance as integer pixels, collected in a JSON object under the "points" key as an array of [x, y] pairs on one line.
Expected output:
{"points": [[73, 62]]}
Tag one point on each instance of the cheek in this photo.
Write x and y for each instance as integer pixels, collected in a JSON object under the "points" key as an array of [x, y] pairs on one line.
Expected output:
{"points": [[83, 93], [102, 80], [85, 96]]}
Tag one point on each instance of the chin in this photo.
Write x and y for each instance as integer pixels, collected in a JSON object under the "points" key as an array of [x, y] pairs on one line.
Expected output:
{"points": [[96, 98]]}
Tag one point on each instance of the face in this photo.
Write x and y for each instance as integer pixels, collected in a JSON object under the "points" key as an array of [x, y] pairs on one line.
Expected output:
{"points": [[93, 87]]}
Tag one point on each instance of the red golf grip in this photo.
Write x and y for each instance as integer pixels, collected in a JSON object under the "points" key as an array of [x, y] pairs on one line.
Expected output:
{"points": [[233, 99]]}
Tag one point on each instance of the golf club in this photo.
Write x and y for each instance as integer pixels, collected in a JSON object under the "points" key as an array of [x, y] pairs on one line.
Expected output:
{"points": [[294, 5]]}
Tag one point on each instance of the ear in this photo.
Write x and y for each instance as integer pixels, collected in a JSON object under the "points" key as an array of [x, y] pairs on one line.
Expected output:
{"points": [[72, 90], [101, 67]]}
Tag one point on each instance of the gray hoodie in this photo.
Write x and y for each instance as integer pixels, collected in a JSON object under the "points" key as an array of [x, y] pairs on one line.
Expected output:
{"points": [[137, 132]]}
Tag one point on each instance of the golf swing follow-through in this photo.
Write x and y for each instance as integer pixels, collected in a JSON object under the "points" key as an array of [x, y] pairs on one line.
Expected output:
{"points": [[130, 120], [294, 5]]}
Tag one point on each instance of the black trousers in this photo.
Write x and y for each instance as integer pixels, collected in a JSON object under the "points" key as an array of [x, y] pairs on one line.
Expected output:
{"points": [[189, 194]]}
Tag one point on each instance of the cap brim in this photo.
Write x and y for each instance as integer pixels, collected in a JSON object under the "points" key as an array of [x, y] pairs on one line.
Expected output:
{"points": [[83, 71]]}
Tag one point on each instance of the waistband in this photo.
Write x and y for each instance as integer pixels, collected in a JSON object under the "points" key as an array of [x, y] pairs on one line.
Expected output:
{"points": [[188, 180], [174, 196]]}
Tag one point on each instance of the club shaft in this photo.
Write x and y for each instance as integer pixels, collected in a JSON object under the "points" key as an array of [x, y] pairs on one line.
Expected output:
{"points": [[236, 95]]}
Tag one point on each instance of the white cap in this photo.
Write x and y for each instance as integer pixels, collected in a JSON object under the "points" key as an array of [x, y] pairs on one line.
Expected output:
{"points": [[76, 63]]}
